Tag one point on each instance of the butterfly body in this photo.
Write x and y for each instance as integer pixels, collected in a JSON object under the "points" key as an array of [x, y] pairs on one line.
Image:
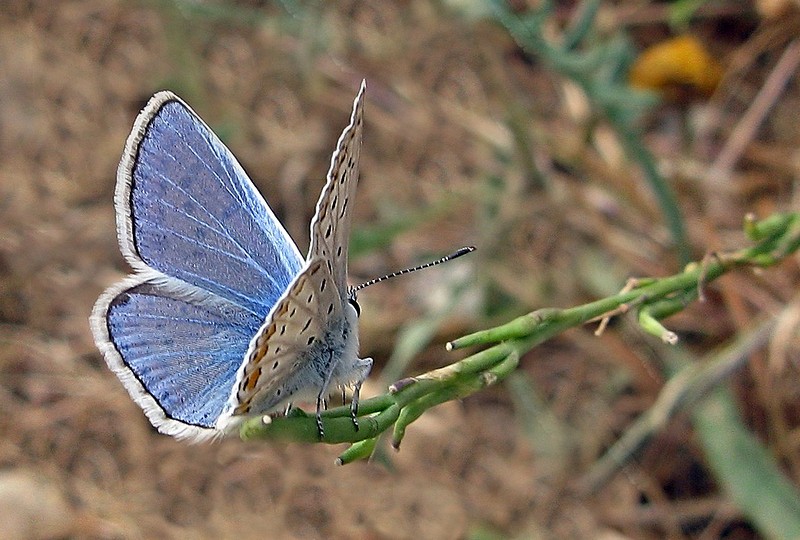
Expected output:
{"points": [[330, 360], [222, 317]]}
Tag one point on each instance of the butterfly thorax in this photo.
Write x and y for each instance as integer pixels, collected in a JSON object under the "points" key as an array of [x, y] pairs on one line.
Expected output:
{"points": [[329, 361]]}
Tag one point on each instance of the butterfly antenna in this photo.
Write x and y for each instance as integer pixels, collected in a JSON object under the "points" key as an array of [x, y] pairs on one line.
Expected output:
{"points": [[454, 255]]}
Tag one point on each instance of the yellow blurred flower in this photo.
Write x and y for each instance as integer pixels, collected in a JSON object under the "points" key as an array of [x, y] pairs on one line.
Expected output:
{"points": [[679, 68]]}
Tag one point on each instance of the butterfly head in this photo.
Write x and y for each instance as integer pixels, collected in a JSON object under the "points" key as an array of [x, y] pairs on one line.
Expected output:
{"points": [[353, 301]]}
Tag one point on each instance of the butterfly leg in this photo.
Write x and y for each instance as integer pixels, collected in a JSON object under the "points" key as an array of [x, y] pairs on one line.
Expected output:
{"points": [[354, 404], [320, 431], [322, 400], [322, 405]]}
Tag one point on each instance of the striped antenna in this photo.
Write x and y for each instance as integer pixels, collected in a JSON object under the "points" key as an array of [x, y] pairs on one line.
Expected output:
{"points": [[455, 255]]}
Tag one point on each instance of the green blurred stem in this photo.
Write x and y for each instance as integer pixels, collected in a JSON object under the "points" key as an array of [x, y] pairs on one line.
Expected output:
{"points": [[634, 146], [600, 71], [744, 469], [580, 28], [689, 382]]}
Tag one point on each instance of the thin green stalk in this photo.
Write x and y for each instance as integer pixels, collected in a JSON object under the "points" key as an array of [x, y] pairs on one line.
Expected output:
{"points": [[689, 383], [665, 295], [409, 398], [601, 72]]}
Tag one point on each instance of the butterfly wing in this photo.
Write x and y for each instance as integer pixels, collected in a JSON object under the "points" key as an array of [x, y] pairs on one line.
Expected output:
{"points": [[306, 324], [330, 228], [211, 261], [175, 348], [312, 329], [186, 208]]}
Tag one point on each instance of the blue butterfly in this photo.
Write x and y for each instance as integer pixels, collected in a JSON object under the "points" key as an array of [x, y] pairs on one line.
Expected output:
{"points": [[222, 317]]}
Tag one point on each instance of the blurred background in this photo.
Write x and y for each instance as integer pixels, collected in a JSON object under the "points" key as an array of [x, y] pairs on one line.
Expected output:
{"points": [[575, 144]]}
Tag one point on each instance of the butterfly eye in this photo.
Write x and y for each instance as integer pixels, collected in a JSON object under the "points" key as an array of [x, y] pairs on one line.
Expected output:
{"points": [[354, 303]]}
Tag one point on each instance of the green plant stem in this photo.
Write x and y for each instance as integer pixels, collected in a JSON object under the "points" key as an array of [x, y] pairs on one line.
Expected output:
{"points": [[688, 384], [662, 296], [634, 146], [747, 472], [409, 398], [601, 73]]}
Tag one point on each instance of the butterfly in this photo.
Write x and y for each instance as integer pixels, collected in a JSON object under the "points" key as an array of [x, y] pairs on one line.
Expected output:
{"points": [[222, 317]]}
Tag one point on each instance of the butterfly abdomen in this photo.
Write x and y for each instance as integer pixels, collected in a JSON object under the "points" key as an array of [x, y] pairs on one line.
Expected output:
{"points": [[326, 363]]}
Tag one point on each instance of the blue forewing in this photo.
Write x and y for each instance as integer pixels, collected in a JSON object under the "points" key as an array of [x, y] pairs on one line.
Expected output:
{"points": [[210, 261]]}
